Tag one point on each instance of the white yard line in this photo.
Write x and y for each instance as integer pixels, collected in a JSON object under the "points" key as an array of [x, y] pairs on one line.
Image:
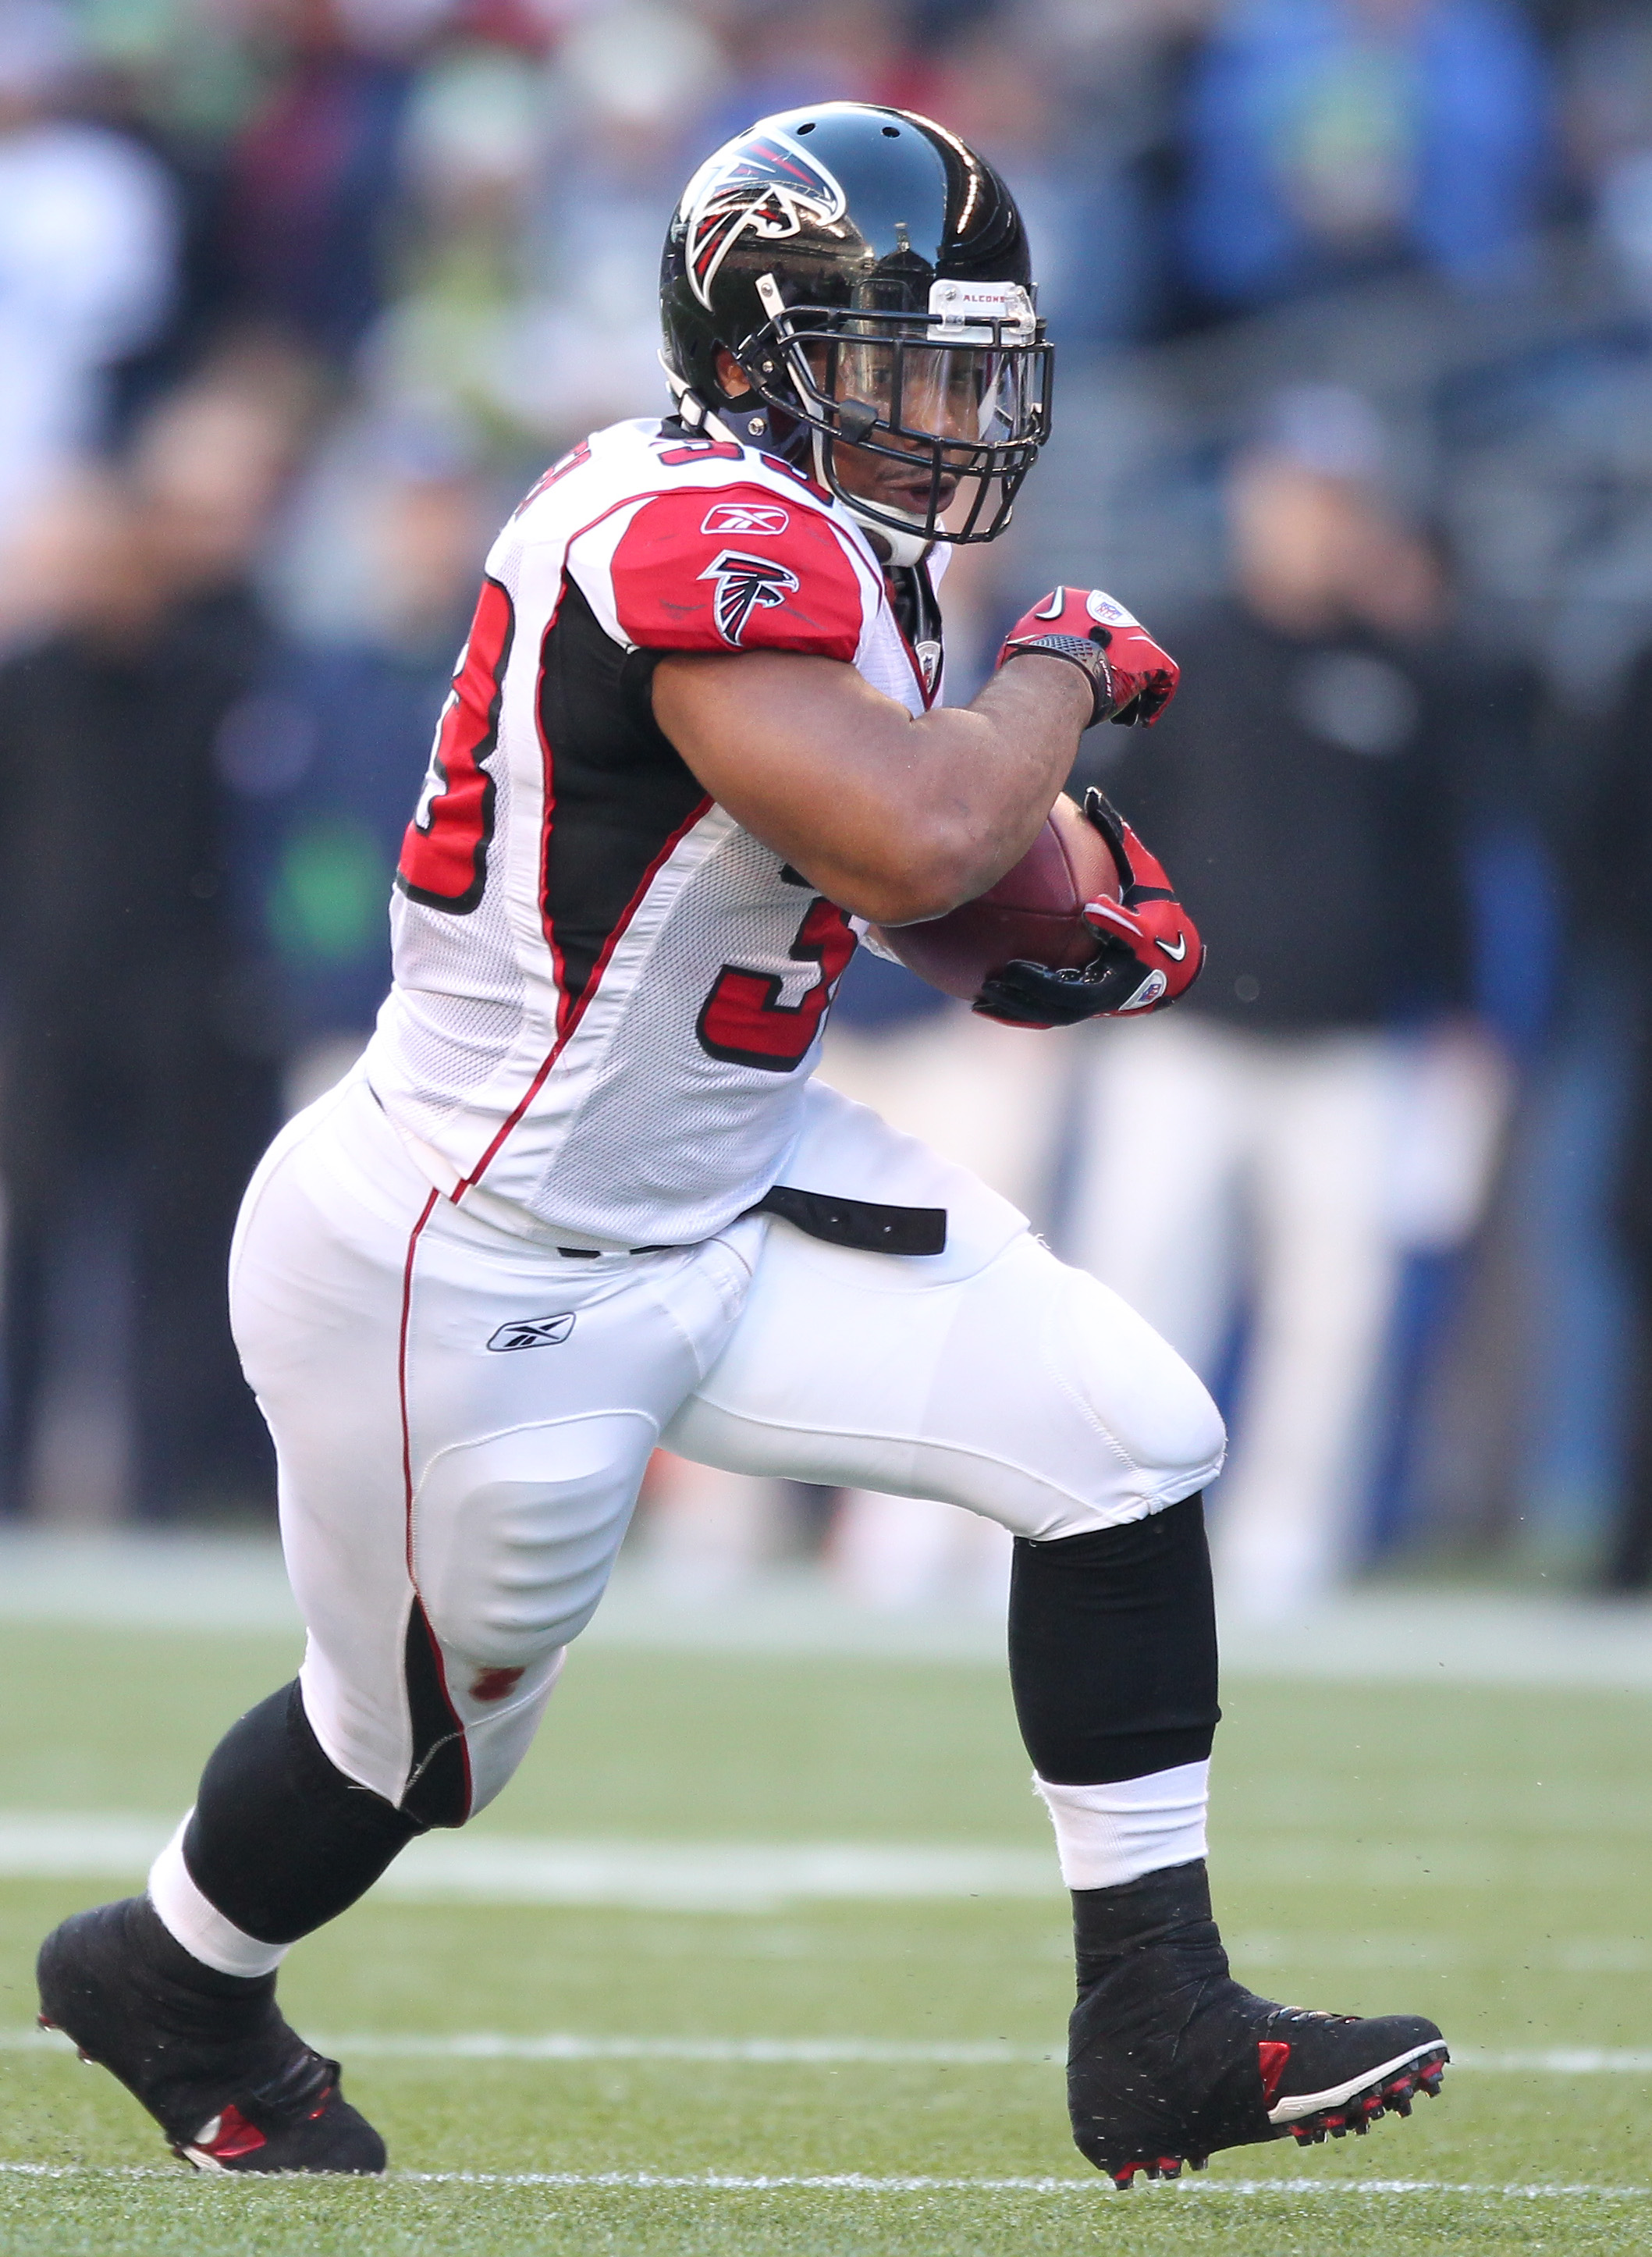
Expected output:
{"points": [[558, 2045], [872, 2053], [866, 2182], [642, 1875], [763, 1877], [189, 1582]]}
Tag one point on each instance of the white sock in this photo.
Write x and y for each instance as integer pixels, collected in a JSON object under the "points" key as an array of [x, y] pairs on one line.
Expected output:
{"points": [[1106, 1835], [196, 1922]]}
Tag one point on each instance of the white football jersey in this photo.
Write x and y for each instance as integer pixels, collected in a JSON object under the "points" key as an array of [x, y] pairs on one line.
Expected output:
{"points": [[608, 996]]}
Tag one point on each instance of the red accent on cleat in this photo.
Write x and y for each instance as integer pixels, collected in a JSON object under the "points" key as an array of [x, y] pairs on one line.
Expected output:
{"points": [[232, 2137], [1272, 2054]]}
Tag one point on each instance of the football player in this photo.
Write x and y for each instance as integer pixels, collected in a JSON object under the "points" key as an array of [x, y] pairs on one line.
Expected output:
{"points": [[581, 1196]]}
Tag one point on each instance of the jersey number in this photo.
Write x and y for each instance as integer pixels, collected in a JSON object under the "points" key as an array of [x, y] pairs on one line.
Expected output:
{"points": [[444, 856], [743, 1019]]}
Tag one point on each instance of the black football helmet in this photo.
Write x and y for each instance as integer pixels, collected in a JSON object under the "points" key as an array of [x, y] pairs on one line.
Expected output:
{"points": [[870, 275]]}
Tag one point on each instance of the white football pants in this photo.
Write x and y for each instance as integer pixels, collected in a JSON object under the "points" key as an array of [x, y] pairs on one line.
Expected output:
{"points": [[462, 1415]]}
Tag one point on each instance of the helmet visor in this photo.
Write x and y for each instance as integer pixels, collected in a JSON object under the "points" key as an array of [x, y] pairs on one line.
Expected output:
{"points": [[966, 396]]}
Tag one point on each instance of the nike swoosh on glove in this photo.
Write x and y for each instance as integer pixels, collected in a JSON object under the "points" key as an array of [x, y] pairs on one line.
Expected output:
{"points": [[1150, 950], [1131, 678]]}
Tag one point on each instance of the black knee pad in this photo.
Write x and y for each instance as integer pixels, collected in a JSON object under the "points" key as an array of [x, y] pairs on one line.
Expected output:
{"points": [[281, 1841], [1113, 1648]]}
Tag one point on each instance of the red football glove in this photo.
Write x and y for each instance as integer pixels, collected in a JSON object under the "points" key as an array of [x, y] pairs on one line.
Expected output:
{"points": [[1132, 678], [1146, 917], [1150, 950]]}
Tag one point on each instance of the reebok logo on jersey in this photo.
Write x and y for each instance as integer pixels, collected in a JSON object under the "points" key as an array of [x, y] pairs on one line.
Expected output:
{"points": [[746, 584], [747, 517], [532, 1331]]}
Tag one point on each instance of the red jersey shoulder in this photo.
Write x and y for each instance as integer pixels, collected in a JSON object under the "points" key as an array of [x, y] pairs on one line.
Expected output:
{"points": [[736, 567]]}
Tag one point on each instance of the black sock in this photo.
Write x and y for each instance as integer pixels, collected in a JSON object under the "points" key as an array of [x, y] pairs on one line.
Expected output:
{"points": [[281, 1842], [1108, 1924], [242, 2001], [1112, 1648]]}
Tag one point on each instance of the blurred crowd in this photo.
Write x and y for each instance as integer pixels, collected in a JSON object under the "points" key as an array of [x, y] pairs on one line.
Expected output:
{"points": [[1353, 308]]}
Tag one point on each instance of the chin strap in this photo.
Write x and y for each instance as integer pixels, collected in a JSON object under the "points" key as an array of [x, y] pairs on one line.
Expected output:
{"points": [[747, 428]]}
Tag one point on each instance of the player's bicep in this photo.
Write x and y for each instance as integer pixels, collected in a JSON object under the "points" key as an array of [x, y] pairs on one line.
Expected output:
{"points": [[802, 751]]}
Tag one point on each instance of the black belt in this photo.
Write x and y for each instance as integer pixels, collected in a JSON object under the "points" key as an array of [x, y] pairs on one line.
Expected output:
{"points": [[861, 1224]]}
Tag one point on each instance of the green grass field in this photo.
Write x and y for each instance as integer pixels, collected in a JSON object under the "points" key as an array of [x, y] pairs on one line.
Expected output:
{"points": [[1478, 1855]]}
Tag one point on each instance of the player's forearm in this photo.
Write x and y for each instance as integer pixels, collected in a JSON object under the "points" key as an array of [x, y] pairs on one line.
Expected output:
{"points": [[895, 817], [988, 773]]}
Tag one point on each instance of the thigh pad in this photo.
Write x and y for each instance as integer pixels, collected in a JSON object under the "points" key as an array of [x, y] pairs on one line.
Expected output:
{"points": [[513, 1536]]}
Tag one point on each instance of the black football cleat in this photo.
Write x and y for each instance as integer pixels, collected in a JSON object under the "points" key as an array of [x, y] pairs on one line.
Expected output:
{"points": [[1170, 2059], [233, 2088]]}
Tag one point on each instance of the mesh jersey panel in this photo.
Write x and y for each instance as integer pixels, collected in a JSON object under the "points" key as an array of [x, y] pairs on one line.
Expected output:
{"points": [[588, 1090], [613, 1166]]}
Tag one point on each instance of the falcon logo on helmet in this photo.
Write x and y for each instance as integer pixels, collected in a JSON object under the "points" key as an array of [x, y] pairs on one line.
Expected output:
{"points": [[766, 186], [746, 584]]}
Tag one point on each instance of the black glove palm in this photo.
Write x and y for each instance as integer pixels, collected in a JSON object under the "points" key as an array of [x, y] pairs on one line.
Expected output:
{"points": [[1026, 994]]}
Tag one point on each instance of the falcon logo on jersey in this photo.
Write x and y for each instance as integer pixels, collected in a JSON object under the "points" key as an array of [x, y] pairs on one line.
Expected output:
{"points": [[746, 584], [768, 188], [747, 517]]}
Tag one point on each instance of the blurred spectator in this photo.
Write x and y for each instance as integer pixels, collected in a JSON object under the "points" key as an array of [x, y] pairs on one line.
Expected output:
{"points": [[1266, 1145], [635, 81], [1609, 116], [1327, 137], [137, 1087], [1613, 886], [314, 171], [786, 52], [324, 758], [483, 122], [88, 240], [1069, 121], [540, 193]]}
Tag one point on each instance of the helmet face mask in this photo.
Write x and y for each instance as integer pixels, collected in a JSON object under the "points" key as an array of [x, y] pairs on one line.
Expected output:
{"points": [[945, 415], [868, 276]]}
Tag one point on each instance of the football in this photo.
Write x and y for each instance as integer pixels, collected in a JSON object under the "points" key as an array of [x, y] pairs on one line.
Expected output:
{"points": [[1035, 912]]}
